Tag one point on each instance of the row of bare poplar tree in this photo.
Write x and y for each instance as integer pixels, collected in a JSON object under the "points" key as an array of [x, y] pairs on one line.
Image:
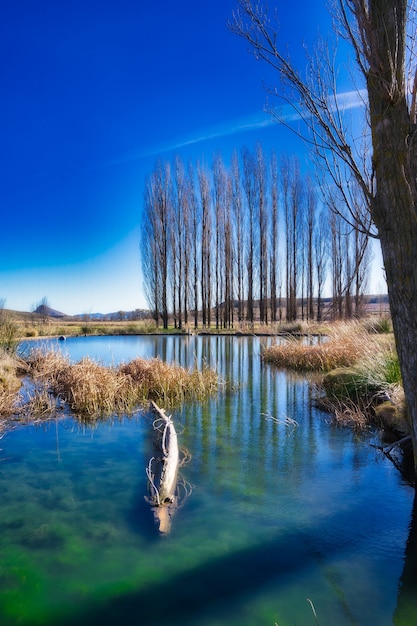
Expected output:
{"points": [[246, 242]]}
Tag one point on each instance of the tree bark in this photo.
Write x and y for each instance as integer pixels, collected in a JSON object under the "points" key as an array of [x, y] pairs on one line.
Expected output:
{"points": [[394, 204]]}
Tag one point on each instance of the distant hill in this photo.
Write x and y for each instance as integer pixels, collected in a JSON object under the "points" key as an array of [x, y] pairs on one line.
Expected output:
{"points": [[137, 314], [45, 311]]}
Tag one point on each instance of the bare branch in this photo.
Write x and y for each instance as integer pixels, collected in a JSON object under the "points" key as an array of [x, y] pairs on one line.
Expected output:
{"points": [[313, 100]]}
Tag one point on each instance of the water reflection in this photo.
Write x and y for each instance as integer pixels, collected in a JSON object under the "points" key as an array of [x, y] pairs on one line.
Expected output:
{"points": [[406, 611]]}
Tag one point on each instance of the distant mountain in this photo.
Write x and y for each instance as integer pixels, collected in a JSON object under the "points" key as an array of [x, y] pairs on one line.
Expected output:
{"points": [[46, 311], [137, 314]]}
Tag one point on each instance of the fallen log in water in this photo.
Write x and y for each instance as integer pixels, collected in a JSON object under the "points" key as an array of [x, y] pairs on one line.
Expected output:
{"points": [[162, 470]]}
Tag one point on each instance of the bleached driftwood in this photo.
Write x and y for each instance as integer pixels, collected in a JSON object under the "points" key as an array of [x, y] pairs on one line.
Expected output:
{"points": [[162, 470]]}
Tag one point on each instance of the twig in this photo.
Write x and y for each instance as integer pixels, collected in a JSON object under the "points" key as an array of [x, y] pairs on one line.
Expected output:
{"points": [[187, 456], [149, 475], [314, 611], [387, 448], [285, 420]]}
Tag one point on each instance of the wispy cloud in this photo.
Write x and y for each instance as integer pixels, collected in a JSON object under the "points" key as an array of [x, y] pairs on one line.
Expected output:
{"points": [[253, 122], [225, 129], [352, 99], [345, 101], [342, 102]]}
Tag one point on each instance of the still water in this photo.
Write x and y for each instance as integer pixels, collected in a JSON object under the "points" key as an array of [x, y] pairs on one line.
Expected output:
{"points": [[279, 510]]}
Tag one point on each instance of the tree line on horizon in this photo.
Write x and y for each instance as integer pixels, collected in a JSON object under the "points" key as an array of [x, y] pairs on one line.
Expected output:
{"points": [[252, 241]]}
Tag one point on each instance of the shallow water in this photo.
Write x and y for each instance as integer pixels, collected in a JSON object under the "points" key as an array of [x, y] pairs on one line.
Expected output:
{"points": [[281, 510]]}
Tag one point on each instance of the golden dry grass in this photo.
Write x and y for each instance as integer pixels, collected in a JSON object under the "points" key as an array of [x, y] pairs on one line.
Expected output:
{"points": [[10, 386], [7, 404], [55, 328], [91, 389], [9, 383], [345, 345], [168, 383], [360, 367]]}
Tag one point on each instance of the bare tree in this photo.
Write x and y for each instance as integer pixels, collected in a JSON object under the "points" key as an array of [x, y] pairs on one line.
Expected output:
{"points": [[291, 188], [219, 193], [379, 32], [179, 228], [320, 244], [149, 256], [273, 272], [238, 218], [156, 240], [42, 309], [262, 231], [339, 259], [249, 186], [194, 241], [206, 242], [228, 310], [311, 225]]}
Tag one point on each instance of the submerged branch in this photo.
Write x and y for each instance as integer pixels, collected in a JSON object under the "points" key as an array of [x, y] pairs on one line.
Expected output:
{"points": [[162, 470]]}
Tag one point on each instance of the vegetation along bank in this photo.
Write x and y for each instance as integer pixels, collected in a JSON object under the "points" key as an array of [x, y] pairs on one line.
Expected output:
{"points": [[359, 377]]}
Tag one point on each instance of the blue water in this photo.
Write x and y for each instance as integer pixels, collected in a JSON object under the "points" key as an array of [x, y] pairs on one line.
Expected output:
{"points": [[280, 507]]}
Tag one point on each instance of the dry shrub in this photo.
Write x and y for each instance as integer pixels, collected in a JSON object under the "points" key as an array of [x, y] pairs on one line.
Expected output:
{"points": [[343, 348], [47, 366], [369, 391], [345, 413], [7, 403], [9, 383], [38, 403], [171, 384], [88, 388], [9, 366], [93, 390]]}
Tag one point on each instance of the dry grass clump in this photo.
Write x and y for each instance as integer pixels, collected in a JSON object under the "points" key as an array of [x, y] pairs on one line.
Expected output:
{"points": [[368, 393], [347, 397], [93, 390], [361, 372], [47, 365], [9, 383], [7, 403], [9, 366], [380, 325], [343, 348], [170, 384], [346, 414]]}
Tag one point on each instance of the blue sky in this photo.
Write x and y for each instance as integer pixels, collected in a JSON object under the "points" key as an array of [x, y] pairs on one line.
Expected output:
{"points": [[93, 92]]}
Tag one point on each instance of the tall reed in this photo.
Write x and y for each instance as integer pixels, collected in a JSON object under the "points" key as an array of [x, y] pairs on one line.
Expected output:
{"points": [[9, 383], [368, 392], [343, 348], [170, 384], [359, 366], [91, 389]]}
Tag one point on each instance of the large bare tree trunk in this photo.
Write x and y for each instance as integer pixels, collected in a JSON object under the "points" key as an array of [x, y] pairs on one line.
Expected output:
{"points": [[394, 160]]}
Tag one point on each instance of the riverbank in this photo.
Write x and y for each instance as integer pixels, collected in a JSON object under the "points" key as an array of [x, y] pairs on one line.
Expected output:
{"points": [[359, 378], [26, 326]]}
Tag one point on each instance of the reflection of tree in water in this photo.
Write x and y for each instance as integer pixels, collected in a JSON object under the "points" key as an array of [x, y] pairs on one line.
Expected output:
{"points": [[239, 447], [406, 611], [253, 420]]}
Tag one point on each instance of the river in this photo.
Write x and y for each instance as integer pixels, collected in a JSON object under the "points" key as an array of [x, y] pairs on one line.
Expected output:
{"points": [[280, 511]]}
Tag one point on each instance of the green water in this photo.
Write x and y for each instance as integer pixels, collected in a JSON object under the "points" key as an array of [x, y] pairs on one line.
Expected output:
{"points": [[278, 511]]}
